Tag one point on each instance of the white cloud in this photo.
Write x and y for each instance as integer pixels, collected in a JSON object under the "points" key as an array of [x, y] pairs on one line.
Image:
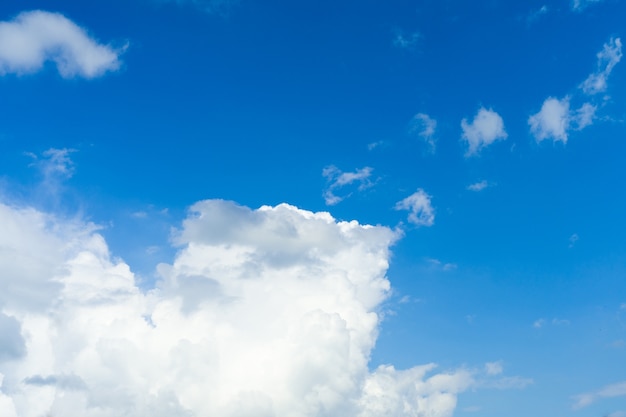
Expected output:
{"points": [[478, 186], [406, 41], [421, 211], [424, 127], [539, 323], [609, 391], [579, 5], [485, 129], [555, 119], [610, 56], [494, 368], [573, 239], [35, 37], [338, 179], [263, 312]]}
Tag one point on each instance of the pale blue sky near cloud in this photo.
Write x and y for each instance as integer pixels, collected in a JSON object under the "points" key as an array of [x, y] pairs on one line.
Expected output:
{"points": [[484, 141]]}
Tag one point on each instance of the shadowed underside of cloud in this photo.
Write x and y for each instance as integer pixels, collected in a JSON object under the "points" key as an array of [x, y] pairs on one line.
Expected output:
{"points": [[36, 37], [267, 312]]}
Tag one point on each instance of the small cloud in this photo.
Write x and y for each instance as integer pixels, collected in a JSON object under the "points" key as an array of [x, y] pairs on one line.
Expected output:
{"points": [[374, 145], [608, 391], [55, 163], [36, 37], [486, 128], [494, 368], [608, 57], [338, 179], [151, 250], [560, 322], [538, 324], [579, 5], [478, 186], [472, 409], [573, 239], [423, 126], [442, 265], [406, 41], [623, 306], [555, 119], [139, 214], [421, 212], [537, 14]]}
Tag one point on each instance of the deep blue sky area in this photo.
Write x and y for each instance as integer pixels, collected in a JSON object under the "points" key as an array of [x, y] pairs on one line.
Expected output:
{"points": [[524, 258]]}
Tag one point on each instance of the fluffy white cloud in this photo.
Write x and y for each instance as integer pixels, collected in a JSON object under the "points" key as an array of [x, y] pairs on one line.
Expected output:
{"points": [[609, 391], [35, 37], [610, 56], [421, 211], [486, 128], [424, 127], [556, 119], [268, 312], [338, 179]]}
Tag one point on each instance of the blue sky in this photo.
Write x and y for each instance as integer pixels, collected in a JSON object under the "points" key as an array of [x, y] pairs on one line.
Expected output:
{"points": [[486, 138]]}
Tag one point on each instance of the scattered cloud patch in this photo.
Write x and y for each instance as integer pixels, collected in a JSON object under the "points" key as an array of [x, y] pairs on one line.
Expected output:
{"points": [[486, 128], [573, 239], [421, 211], [494, 368], [478, 186], [555, 119], [446, 266], [338, 179], [537, 14], [539, 323], [273, 311], [406, 41], [610, 56], [609, 391], [373, 145], [424, 127], [579, 5], [36, 37]]}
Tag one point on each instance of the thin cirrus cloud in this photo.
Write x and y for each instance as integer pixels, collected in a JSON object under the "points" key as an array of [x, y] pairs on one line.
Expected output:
{"points": [[419, 206], [486, 128], [338, 179], [33, 38], [579, 5], [610, 56], [273, 311], [609, 391], [555, 120], [424, 127]]}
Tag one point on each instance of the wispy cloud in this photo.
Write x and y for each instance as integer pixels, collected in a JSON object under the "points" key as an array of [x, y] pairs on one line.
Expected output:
{"points": [[424, 127], [406, 41], [486, 128], [35, 37], [219, 7], [573, 239], [539, 323], [338, 179], [478, 186], [421, 211], [579, 5], [610, 56], [608, 391]]}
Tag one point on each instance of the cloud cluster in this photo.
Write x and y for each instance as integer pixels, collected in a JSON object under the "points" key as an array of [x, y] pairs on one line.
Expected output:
{"points": [[486, 128], [579, 5], [556, 119], [36, 37], [338, 179], [267, 312]]}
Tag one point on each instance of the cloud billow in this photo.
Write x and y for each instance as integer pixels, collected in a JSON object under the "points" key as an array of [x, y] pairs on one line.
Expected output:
{"points": [[266, 312], [36, 37]]}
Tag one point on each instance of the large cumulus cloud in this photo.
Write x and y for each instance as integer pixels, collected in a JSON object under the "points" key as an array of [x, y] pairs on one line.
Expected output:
{"points": [[267, 312]]}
